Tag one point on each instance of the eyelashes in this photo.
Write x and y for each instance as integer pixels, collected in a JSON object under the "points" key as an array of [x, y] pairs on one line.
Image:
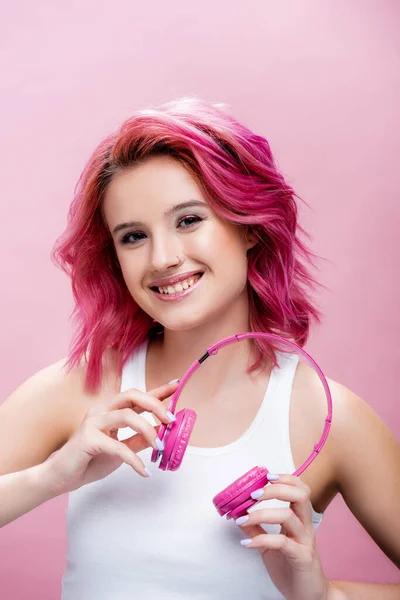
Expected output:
{"points": [[192, 220], [138, 237], [184, 223]]}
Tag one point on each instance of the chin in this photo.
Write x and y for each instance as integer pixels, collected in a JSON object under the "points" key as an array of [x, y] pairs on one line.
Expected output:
{"points": [[192, 318], [178, 317], [181, 324]]}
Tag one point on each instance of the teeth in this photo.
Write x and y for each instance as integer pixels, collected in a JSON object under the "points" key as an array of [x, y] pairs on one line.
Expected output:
{"points": [[179, 287]]}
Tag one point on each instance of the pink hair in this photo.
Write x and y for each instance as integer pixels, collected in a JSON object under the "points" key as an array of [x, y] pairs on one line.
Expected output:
{"points": [[240, 180]]}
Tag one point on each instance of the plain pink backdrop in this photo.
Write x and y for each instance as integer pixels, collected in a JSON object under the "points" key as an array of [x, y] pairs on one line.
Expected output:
{"points": [[320, 80]]}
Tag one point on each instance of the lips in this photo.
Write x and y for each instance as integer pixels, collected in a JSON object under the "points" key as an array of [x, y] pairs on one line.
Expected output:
{"points": [[173, 280], [178, 295]]}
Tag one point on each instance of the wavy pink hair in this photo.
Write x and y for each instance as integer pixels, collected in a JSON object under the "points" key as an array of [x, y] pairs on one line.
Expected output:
{"points": [[241, 182]]}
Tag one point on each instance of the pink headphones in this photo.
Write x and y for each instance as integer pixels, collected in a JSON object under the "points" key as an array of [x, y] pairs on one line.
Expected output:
{"points": [[234, 500]]}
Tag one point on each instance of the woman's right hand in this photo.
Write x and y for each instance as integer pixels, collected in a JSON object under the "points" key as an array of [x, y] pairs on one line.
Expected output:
{"points": [[94, 450]]}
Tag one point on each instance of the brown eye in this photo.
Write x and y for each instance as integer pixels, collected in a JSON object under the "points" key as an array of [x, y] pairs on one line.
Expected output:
{"points": [[188, 221], [132, 238]]}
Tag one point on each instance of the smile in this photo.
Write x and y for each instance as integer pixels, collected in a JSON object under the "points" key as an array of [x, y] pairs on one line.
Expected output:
{"points": [[179, 290]]}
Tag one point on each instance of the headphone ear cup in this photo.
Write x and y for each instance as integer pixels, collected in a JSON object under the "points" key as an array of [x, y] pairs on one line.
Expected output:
{"points": [[177, 439], [162, 434], [235, 499]]}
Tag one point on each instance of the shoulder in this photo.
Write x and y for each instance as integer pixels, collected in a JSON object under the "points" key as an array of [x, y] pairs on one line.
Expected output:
{"points": [[365, 459], [356, 429], [353, 420], [74, 392], [46, 409], [357, 432], [357, 441], [70, 383]]}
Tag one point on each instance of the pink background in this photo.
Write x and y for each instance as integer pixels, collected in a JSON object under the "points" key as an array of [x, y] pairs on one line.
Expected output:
{"points": [[319, 79]]}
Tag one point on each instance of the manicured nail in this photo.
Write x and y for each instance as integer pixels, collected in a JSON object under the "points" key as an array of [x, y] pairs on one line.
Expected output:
{"points": [[170, 416], [245, 542], [242, 520], [160, 445], [272, 476], [173, 381], [149, 473], [257, 494]]}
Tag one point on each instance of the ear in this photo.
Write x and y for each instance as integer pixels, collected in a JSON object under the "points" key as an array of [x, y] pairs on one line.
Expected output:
{"points": [[250, 239], [251, 243]]}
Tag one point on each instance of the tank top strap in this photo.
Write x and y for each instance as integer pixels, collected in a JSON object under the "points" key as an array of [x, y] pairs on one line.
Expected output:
{"points": [[275, 425], [278, 407], [134, 370]]}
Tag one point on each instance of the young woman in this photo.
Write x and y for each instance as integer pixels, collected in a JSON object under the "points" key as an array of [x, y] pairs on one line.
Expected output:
{"points": [[183, 232]]}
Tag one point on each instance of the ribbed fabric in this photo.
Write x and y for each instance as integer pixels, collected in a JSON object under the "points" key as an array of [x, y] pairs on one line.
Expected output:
{"points": [[161, 538]]}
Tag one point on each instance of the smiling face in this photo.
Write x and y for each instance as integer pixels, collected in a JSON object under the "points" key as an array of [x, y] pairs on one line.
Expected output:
{"points": [[164, 231]]}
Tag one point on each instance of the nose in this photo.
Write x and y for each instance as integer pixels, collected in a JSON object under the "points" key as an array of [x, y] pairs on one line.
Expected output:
{"points": [[165, 253]]}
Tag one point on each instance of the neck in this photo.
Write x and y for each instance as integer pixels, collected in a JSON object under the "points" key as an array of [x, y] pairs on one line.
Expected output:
{"points": [[175, 351]]}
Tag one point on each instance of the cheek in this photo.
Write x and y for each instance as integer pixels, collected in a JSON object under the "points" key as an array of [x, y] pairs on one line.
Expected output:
{"points": [[219, 242], [223, 252], [132, 271]]}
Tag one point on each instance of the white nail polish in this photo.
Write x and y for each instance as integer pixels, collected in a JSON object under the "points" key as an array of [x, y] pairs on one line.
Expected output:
{"points": [[245, 542], [160, 445], [242, 520], [149, 473], [272, 476], [257, 494], [173, 381], [171, 417]]}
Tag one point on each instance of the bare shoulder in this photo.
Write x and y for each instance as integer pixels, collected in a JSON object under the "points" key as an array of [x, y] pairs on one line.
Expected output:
{"points": [[352, 419], [45, 410], [360, 459], [309, 409], [358, 432], [366, 463]]}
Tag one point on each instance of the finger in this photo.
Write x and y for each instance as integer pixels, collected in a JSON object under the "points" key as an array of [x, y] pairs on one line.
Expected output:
{"points": [[284, 516], [280, 542], [140, 401], [302, 507], [291, 489], [252, 531], [163, 391], [102, 443], [137, 442], [126, 417], [292, 480]]}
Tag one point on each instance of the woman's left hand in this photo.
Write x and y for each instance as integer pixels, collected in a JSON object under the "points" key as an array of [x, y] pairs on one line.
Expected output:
{"points": [[290, 557]]}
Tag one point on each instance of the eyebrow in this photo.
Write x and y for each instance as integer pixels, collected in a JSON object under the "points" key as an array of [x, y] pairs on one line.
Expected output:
{"points": [[168, 213]]}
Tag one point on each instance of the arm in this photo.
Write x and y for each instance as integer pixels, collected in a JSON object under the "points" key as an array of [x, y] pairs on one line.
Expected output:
{"points": [[35, 421], [367, 468], [348, 590], [23, 491]]}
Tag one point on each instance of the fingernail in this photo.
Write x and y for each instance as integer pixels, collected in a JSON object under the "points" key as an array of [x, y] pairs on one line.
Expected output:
{"points": [[170, 416], [160, 445], [257, 494], [245, 542], [173, 381], [149, 473], [272, 476], [242, 520]]}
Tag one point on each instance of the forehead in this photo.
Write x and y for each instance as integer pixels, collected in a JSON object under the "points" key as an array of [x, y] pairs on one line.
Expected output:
{"points": [[157, 182]]}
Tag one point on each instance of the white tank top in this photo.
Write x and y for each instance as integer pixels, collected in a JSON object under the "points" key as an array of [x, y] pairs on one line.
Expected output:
{"points": [[161, 537]]}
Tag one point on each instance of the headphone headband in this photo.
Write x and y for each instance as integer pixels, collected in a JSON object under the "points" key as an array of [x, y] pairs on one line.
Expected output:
{"points": [[272, 337]]}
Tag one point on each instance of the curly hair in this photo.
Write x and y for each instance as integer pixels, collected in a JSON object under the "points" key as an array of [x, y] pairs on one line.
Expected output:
{"points": [[239, 178]]}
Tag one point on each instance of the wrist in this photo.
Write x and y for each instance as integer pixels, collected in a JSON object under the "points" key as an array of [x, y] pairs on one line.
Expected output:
{"points": [[42, 479], [335, 593]]}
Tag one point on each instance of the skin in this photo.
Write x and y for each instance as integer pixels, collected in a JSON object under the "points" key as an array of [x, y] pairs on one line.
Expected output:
{"points": [[196, 239]]}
